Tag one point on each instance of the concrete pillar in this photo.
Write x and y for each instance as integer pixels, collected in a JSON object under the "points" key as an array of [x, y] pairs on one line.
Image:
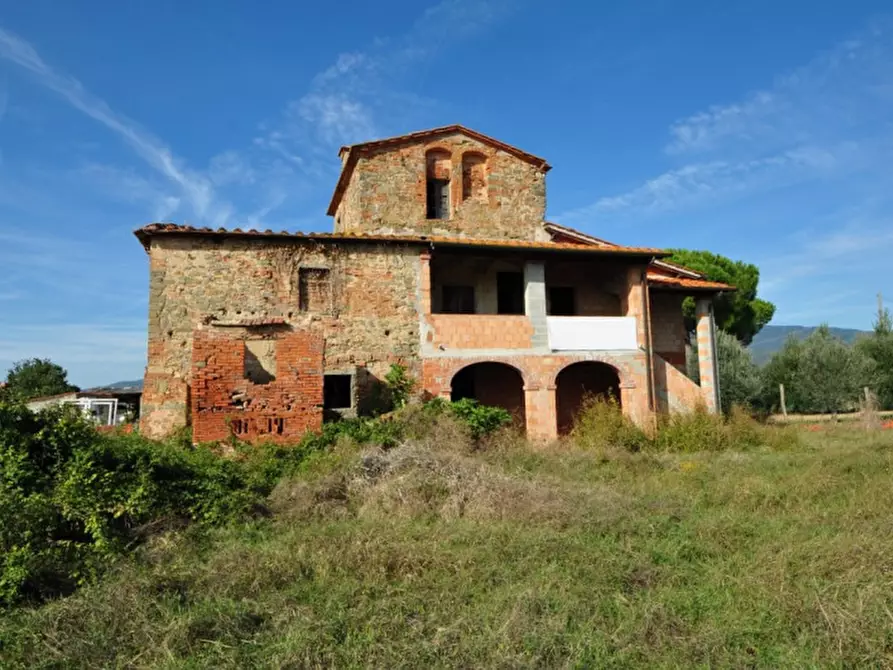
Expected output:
{"points": [[539, 408], [535, 303], [707, 366], [633, 303]]}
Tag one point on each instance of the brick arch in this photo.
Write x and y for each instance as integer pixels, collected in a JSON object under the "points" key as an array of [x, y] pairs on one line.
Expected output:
{"points": [[461, 365], [623, 372], [492, 383]]}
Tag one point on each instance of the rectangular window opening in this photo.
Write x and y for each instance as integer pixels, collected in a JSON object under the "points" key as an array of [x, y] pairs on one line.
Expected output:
{"points": [[458, 300], [260, 361], [438, 199], [336, 392], [510, 292], [562, 301], [314, 290]]}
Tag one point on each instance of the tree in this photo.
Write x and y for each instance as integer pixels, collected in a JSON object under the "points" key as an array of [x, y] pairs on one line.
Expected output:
{"points": [[739, 376], [879, 348], [821, 373], [741, 312], [34, 378]]}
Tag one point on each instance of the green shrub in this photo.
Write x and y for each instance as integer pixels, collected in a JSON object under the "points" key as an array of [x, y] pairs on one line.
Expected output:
{"points": [[71, 498], [480, 419], [400, 385], [601, 424]]}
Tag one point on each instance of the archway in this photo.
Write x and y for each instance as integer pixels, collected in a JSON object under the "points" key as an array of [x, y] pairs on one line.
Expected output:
{"points": [[494, 384], [579, 380]]}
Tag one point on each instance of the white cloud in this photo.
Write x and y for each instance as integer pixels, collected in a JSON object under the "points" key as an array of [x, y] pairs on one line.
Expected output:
{"points": [[826, 120], [702, 183], [196, 188]]}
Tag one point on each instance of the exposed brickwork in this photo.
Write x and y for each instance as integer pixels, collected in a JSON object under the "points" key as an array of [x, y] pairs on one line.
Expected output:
{"points": [[675, 392], [668, 328], [265, 315], [196, 284], [225, 403], [540, 374], [597, 286], [387, 191], [479, 331], [706, 354]]}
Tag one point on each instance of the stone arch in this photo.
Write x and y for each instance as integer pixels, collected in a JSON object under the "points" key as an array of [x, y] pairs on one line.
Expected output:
{"points": [[580, 379], [492, 383], [474, 176]]}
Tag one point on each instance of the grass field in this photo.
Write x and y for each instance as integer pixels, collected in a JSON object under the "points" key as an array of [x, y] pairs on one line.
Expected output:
{"points": [[436, 555]]}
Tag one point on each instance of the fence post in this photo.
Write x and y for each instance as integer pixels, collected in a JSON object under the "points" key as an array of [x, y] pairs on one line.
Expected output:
{"points": [[784, 409]]}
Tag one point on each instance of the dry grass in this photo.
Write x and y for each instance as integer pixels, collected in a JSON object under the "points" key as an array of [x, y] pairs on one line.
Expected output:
{"points": [[444, 553]]}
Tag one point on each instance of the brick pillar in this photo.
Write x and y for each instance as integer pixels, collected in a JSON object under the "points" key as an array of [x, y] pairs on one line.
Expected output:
{"points": [[425, 283], [707, 353], [634, 303], [539, 408], [535, 303]]}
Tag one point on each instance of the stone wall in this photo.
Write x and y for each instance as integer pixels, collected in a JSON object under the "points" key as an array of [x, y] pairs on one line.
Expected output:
{"points": [[225, 403], [493, 194], [239, 286]]}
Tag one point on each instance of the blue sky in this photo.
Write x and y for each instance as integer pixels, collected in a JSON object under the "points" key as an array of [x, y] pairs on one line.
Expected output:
{"points": [[759, 130]]}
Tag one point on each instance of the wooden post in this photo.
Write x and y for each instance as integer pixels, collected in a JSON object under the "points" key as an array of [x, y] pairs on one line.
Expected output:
{"points": [[784, 409]]}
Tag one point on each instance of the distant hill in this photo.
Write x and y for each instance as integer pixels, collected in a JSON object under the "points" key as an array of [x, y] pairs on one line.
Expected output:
{"points": [[136, 383], [772, 338]]}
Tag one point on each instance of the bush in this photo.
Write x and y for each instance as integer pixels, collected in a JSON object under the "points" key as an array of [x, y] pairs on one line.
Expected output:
{"points": [[601, 424], [740, 382], [400, 385], [72, 498], [480, 419], [821, 374]]}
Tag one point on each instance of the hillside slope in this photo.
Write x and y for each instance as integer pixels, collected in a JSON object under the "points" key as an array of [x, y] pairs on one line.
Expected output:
{"points": [[772, 338]]}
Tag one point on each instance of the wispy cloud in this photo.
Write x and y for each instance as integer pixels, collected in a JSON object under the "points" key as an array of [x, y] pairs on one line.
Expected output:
{"points": [[826, 119], [196, 188], [359, 96]]}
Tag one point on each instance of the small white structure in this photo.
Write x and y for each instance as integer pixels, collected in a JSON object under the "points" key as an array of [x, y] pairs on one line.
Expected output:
{"points": [[105, 406]]}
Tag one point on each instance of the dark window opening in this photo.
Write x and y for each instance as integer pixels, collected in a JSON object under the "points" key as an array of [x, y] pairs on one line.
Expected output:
{"points": [[510, 292], [438, 198], [314, 290], [458, 300], [562, 301], [336, 392]]}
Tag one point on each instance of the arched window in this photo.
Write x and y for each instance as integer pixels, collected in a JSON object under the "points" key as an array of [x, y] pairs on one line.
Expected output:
{"points": [[438, 166], [474, 177]]}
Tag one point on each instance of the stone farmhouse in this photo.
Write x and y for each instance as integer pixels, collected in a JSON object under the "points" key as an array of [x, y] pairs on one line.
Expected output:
{"points": [[441, 260]]}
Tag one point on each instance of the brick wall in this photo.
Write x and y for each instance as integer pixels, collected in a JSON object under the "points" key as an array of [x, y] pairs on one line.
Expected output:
{"points": [[225, 403], [597, 285], [493, 194], [668, 327], [479, 331], [540, 377], [207, 285]]}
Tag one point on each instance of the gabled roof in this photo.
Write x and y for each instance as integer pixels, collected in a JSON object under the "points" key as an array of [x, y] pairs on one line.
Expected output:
{"points": [[663, 273], [355, 151], [151, 230]]}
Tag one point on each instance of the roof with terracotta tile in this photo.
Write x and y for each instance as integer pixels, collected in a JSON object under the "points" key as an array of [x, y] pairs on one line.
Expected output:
{"points": [[354, 151], [151, 230], [664, 281], [583, 238]]}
